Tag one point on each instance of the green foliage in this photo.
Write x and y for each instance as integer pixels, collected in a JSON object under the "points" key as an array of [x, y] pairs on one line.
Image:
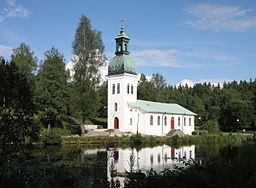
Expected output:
{"points": [[212, 126], [51, 138], [136, 139], [88, 49], [17, 125], [233, 106], [52, 92]]}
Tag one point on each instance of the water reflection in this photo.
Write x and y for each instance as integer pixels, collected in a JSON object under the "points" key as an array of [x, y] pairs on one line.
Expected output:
{"points": [[158, 158]]}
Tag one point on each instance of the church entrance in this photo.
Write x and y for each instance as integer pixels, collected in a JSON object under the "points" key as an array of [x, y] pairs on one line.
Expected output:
{"points": [[172, 123], [116, 123]]}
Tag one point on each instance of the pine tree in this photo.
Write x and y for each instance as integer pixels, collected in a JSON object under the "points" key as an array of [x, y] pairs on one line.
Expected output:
{"points": [[88, 50], [52, 92]]}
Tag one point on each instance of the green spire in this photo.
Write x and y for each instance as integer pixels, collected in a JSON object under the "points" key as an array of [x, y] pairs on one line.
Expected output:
{"points": [[122, 62]]}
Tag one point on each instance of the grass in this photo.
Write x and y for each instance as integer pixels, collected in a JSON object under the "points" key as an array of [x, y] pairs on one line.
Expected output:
{"points": [[136, 139]]}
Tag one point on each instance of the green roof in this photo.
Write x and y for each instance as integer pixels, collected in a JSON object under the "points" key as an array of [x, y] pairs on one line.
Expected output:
{"points": [[156, 107], [122, 64]]}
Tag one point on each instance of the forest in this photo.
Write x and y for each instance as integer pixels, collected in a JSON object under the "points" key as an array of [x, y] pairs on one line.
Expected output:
{"points": [[36, 95]]}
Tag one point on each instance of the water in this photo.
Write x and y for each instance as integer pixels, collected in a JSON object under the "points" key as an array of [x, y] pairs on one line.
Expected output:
{"points": [[94, 166]]}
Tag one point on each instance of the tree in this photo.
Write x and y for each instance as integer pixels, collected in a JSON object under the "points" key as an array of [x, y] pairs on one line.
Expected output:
{"points": [[237, 114], [26, 61], [88, 50], [52, 92], [212, 126], [17, 125], [103, 99], [146, 90]]}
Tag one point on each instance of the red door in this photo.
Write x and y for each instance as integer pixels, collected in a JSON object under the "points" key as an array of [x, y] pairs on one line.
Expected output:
{"points": [[116, 123], [172, 153], [172, 123]]}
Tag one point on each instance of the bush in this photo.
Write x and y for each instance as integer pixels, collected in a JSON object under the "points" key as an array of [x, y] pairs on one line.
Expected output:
{"points": [[51, 138], [136, 139], [212, 126]]}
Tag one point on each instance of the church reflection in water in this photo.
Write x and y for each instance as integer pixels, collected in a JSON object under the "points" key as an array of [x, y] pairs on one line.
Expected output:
{"points": [[157, 158], [117, 161]]}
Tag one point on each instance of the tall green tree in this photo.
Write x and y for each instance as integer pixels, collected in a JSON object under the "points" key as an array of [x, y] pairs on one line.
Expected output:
{"points": [[24, 58], [52, 92], [88, 50], [17, 124]]}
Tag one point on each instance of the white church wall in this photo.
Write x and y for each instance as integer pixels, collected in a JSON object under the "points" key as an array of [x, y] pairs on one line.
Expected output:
{"points": [[122, 112]]}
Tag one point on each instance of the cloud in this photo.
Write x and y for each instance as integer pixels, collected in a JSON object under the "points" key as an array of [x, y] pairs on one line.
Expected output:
{"points": [[157, 58], [220, 17], [5, 51], [13, 10], [213, 82], [211, 55]]}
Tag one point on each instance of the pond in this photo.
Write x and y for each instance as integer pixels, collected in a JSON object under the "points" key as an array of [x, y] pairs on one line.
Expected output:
{"points": [[96, 166]]}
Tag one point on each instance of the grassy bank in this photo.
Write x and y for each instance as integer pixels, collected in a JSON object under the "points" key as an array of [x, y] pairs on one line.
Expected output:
{"points": [[138, 139]]}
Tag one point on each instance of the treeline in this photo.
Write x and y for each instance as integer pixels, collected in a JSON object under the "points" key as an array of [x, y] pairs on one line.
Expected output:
{"points": [[232, 106], [36, 95]]}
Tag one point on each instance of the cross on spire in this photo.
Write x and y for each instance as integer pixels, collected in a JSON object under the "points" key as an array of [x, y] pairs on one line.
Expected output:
{"points": [[122, 25]]}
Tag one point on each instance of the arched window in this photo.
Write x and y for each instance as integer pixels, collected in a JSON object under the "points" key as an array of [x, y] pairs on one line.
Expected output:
{"points": [[113, 89], [120, 48], [158, 120], [151, 120], [125, 47], [165, 120], [118, 88], [115, 107], [128, 88], [189, 122], [179, 121], [132, 89], [130, 121], [184, 121]]}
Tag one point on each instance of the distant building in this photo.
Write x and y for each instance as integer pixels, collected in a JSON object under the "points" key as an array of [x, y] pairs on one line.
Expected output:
{"points": [[128, 114]]}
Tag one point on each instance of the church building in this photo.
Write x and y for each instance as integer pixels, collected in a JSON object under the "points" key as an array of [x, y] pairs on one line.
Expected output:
{"points": [[128, 114]]}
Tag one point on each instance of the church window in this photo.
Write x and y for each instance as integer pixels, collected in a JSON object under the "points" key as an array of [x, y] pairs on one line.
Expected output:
{"points": [[130, 121], [132, 89], [179, 121], [115, 107], [151, 120], [120, 48], [125, 47], [158, 158], [113, 89], [184, 121], [158, 120], [128, 88], [151, 159], [118, 88], [165, 120], [189, 121]]}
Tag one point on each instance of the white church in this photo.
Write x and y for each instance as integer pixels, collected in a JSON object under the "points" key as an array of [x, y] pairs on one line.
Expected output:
{"points": [[128, 114]]}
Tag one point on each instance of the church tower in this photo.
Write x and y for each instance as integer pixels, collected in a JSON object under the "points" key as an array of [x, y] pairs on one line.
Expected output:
{"points": [[122, 84]]}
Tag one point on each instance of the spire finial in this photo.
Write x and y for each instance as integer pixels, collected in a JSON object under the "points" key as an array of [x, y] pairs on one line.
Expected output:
{"points": [[122, 25]]}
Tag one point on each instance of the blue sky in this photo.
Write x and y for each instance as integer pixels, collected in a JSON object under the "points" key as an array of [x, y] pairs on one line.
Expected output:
{"points": [[194, 40]]}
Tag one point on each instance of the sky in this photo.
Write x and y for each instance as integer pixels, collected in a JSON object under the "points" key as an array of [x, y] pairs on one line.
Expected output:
{"points": [[188, 41]]}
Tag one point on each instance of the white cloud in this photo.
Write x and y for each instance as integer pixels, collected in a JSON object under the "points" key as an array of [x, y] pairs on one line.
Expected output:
{"points": [[210, 55], [10, 2], [220, 17], [5, 51], [103, 70], [12, 10], [213, 82], [157, 58]]}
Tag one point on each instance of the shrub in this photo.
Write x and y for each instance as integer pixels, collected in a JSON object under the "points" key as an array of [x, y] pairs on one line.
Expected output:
{"points": [[51, 138], [212, 126], [136, 139]]}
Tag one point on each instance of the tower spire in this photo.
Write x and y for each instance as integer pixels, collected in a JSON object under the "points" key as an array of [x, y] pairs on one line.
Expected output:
{"points": [[122, 26]]}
